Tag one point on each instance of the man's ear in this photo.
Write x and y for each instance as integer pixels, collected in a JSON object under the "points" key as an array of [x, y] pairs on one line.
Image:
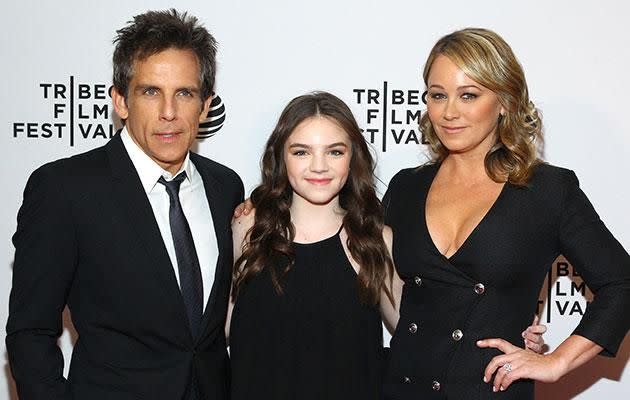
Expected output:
{"points": [[120, 104], [205, 108]]}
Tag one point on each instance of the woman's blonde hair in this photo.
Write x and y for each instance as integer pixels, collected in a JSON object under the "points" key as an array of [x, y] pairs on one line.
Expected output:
{"points": [[487, 59]]}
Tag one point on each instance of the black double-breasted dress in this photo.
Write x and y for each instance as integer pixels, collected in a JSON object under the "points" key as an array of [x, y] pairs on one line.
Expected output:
{"points": [[490, 286]]}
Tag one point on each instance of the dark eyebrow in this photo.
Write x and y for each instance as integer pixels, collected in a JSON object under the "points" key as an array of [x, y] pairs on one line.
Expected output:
{"points": [[190, 89], [298, 145], [145, 87], [142, 87], [305, 146]]}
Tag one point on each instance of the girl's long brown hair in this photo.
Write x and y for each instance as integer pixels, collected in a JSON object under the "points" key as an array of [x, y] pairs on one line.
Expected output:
{"points": [[270, 238]]}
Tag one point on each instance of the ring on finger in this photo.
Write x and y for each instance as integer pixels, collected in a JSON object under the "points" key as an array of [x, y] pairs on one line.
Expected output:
{"points": [[507, 367]]}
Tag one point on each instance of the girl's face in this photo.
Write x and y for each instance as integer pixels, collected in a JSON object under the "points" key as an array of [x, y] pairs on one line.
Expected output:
{"points": [[464, 113], [317, 156]]}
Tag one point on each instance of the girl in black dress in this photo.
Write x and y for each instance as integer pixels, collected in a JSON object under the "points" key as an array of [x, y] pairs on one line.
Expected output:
{"points": [[313, 265], [313, 274]]}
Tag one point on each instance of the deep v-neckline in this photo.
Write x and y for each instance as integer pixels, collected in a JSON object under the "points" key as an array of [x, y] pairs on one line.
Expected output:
{"points": [[472, 233]]}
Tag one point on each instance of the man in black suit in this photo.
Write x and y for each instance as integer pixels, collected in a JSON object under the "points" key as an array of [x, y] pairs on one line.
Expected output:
{"points": [[134, 237]]}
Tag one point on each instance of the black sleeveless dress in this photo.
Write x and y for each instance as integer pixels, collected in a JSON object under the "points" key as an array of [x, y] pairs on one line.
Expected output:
{"points": [[315, 341]]}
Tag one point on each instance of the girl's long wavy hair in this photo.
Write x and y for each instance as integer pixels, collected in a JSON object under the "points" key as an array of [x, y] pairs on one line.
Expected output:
{"points": [[269, 244], [487, 59]]}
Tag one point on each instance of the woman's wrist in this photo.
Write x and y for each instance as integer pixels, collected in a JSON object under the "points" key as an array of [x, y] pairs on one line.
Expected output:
{"points": [[559, 364]]}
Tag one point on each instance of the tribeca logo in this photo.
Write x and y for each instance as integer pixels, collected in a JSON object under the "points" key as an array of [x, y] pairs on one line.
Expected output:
{"points": [[214, 119], [78, 110], [565, 291], [84, 111], [390, 116]]}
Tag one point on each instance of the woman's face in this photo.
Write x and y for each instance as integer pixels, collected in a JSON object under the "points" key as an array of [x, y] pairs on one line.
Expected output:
{"points": [[464, 114], [317, 157]]}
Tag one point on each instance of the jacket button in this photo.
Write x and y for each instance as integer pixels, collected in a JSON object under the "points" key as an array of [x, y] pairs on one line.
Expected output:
{"points": [[436, 386], [417, 280], [406, 379], [480, 288], [457, 335], [413, 328]]}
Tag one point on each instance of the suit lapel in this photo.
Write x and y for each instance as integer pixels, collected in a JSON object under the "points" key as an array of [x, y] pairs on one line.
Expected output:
{"points": [[220, 219], [132, 200]]}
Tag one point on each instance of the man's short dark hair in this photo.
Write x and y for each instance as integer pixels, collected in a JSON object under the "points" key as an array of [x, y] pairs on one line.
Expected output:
{"points": [[155, 31]]}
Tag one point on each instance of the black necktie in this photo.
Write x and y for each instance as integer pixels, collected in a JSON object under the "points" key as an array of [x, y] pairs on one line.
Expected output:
{"points": [[187, 262]]}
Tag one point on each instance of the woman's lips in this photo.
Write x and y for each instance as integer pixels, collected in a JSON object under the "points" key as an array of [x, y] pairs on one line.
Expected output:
{"points": [[319, 181], [453, 129]]}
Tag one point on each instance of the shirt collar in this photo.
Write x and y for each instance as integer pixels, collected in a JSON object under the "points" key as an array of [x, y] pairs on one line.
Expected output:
{"points": [[148, 170]]}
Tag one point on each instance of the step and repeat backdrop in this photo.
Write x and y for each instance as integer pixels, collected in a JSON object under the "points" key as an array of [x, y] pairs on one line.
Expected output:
{"points": [[56, 74]]}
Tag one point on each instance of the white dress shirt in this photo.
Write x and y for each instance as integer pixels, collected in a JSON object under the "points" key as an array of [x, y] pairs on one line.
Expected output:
{"points": [[194, 203]]}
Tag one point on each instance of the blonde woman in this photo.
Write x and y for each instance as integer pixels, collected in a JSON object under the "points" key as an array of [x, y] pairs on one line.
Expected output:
{"points": [[475, 231]]}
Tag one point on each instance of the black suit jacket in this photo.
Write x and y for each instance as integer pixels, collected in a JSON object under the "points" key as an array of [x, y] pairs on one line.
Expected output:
{"points": [[489, 287], [87, 238]]}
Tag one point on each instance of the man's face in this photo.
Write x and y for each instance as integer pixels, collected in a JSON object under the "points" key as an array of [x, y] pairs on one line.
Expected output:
{"points": [[163, 107]]}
